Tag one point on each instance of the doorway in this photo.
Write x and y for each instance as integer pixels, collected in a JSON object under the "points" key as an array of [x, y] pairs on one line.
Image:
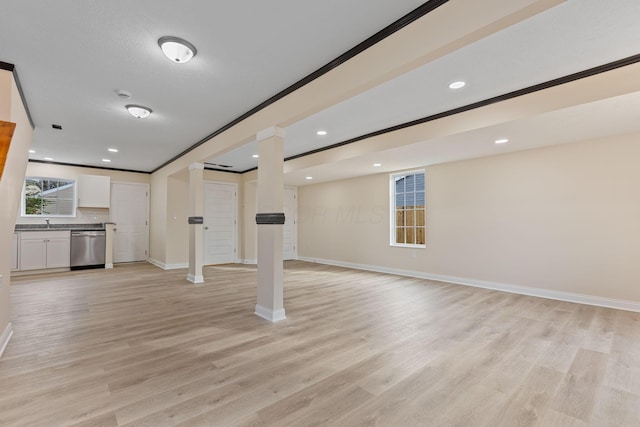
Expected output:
{"points": [[130, 212], [220, 223]]}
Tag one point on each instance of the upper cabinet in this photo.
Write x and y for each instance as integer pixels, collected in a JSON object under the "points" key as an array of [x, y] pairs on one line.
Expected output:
{"points": [[94, 191]]}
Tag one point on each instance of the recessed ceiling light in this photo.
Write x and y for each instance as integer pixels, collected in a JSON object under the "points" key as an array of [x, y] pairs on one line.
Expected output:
{"points": [[377, 165], [112, 150], [321, 133], [32, 151], [457, 85], [48, 159], [177, 49], [501, 141], [255, 156], [138, 111], [309, 177], [106, 160]]}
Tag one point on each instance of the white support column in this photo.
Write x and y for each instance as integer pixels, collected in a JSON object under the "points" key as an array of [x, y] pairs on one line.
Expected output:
{"points": [[196, 211], [270, 220]]}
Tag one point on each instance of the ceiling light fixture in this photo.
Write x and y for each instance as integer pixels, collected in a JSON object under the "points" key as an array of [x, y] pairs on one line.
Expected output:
{"points": [[48, 159], [112, 150], [177, 49], [138, 111], [32, 151], [501, 141], [377, 165], [309, 177], [106, 160], [457, 85], [255, 156], [321, 133]]}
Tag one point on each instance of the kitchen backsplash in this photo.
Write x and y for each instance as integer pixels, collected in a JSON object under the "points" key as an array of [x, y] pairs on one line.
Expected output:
{"points": [[83, 216]]}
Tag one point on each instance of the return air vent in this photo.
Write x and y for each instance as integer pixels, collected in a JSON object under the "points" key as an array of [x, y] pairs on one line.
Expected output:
{"points": [[57, 127], [220, 166]]}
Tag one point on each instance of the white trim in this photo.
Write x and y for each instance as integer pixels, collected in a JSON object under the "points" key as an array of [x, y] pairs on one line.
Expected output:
{"points": [[504, 287], [270, 315], [5, 337], [196, 166], [195, 279], [164, 266], [250, 261]]}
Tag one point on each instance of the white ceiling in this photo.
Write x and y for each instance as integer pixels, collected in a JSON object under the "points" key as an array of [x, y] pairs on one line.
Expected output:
{"points": [[72, 56]]}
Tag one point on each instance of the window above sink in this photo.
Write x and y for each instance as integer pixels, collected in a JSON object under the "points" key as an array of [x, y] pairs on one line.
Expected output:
{"points": [[48, 197]]}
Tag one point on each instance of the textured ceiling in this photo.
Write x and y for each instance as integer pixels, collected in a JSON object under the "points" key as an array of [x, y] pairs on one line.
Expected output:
{"points": [[72, 56]]}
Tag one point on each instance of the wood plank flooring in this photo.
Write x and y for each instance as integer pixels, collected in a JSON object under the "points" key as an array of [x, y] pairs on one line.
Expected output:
{"points": [[138, 346]]}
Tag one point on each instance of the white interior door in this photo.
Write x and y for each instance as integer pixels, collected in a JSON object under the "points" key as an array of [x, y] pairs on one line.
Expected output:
{"points": [[130, 212], [220, 222], [290, 211]]}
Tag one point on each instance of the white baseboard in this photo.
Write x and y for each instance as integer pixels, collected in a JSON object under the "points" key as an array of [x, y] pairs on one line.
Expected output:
{"points": [[195, 279], [270, 315], [164, 266], [250, 261], [108, 266], [5, 337], [535, 292]]}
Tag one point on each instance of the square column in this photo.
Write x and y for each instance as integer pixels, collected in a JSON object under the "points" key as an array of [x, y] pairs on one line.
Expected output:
{"points": [[196, 212], [270, 220]]}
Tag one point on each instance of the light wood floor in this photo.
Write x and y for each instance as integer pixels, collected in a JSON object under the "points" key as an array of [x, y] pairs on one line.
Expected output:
{"points": [[138, 346]]}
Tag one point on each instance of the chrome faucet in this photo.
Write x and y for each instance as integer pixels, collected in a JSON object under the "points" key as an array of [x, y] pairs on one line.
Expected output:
{"points": [[47, 220]]}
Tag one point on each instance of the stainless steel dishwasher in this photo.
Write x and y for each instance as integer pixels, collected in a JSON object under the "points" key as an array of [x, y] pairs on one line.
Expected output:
{"points": [[87, 249]]}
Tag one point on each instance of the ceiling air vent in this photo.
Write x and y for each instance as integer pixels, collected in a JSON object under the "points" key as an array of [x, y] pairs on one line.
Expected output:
{"points": [[57, 127]]}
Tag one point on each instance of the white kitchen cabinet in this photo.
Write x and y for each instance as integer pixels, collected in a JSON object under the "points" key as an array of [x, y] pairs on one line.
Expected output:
{"points": [[94, 191], [14, 252], [44, 249]]}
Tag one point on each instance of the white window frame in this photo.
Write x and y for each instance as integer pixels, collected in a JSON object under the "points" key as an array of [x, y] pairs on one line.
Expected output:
{"points": [[392, 209], [23, 200]]}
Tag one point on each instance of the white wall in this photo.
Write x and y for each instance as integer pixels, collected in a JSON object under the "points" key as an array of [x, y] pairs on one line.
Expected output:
{"points": [[563, 218], [175, 235], [11, 110]]}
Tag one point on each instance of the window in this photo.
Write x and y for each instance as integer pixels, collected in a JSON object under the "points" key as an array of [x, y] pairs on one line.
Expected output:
{"points": [[48, 197], [408, 215]]}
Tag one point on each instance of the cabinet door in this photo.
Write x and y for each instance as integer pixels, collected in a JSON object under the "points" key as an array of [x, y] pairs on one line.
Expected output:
{"points": [[94, 191], [58, 252], [14, 252], [33, 254]]}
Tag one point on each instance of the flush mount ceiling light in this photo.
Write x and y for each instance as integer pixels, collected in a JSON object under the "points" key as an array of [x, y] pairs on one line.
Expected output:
{"points": [[138, 111], [501, 141], [177, 49], [457, 85]]}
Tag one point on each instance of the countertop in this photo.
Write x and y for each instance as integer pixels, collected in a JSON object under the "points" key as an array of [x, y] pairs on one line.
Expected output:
{"points": [[59, 227]]}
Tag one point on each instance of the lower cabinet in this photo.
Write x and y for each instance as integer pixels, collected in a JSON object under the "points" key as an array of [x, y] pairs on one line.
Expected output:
{"points": [[44, 249], [14, 252]]}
